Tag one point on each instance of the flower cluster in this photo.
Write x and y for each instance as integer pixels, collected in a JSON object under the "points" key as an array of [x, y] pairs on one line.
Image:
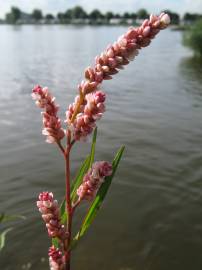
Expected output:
{"points": [[93, 180], [90, 110], [55, 259], [110, 61], [81, 117], [50, 214], [52, 124]]}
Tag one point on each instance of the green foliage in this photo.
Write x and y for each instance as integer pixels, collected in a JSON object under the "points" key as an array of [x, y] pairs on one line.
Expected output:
{"points": [[3, 237], [5, 218], [49, 17], [95, 15], [193, 38], [14, 15], [142, 14], [78, 13], [174, 17], [191, 17], [97, 202], [126, 15], [37, 14], [109, 15]]}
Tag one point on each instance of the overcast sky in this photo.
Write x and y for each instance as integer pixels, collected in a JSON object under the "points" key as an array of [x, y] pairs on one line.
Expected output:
{"points": [[120, 6]]}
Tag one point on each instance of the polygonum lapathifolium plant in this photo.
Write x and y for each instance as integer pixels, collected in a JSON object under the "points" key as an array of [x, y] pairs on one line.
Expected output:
{"points": [[93, 178]]}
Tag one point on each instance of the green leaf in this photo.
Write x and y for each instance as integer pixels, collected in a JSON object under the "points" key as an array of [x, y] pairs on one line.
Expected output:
{"points": [[92, 153], [63, 211], [95, 206], [3, 238], [2, 217], [79, 178], [84, 168], [7, 218], [55, 242], [76, 183]]}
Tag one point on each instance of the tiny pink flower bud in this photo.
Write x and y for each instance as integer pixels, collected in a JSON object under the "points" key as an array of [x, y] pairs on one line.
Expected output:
{"points": [[146, 31], [165, 19]]}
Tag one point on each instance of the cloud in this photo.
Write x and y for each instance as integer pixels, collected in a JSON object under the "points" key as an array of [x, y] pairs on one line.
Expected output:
{"points": [[55, 6]]}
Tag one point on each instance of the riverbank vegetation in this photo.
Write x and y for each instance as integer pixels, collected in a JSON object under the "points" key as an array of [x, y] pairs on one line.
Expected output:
{"points": [[193, 38], [79, 15]]}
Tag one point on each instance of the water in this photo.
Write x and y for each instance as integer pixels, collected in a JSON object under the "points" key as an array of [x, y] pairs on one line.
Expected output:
{"points": [[152, 217]]}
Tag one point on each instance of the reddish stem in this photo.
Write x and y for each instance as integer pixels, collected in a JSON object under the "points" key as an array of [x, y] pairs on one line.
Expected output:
{"points": [[69, 208], [68, 200]]}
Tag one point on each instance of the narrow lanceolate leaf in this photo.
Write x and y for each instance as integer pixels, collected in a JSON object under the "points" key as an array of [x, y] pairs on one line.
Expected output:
{"points": [[92, 153], [79, 178], [2, 217], [95, 206], [3, 237], [7, 218], [84, 168], [63, 214]]}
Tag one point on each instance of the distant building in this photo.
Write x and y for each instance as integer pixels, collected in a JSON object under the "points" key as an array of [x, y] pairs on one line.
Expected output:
{"points": [[115, 21], [80, 21], [129, 21]]}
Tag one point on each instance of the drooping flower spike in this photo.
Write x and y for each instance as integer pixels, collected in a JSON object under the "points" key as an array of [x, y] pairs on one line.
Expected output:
{"points": [[124, 50]]}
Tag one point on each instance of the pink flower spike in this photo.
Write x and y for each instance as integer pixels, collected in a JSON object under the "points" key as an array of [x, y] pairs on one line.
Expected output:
{"points": [[109, 62], [49, 209], [91, 109], [52, 124], [93, 180]]}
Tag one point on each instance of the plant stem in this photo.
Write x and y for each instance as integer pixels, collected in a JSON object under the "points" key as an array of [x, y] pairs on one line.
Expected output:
{"points": [[68, 200], [68, 208]]}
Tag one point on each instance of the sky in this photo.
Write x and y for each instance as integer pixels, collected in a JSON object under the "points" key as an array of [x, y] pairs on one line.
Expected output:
{"points": [[117, 6]]}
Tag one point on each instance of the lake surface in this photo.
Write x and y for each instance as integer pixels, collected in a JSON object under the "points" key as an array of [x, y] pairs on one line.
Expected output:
{"points": [[152, 217]]}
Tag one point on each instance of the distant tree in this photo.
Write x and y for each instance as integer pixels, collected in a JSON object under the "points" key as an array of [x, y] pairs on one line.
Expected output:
{"points": [[193, 38], [126, 15], [96, 15], [133, 16], [109, 15], [14, 15], [78, 13], [49, 17], [191, 17], [117, 16], [175, 17], [68, 14], [37, 14], [60, 16], [142, 14]]}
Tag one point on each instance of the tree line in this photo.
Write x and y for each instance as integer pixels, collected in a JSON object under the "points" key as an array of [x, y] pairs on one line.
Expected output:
{"points": [[95, 16]]}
